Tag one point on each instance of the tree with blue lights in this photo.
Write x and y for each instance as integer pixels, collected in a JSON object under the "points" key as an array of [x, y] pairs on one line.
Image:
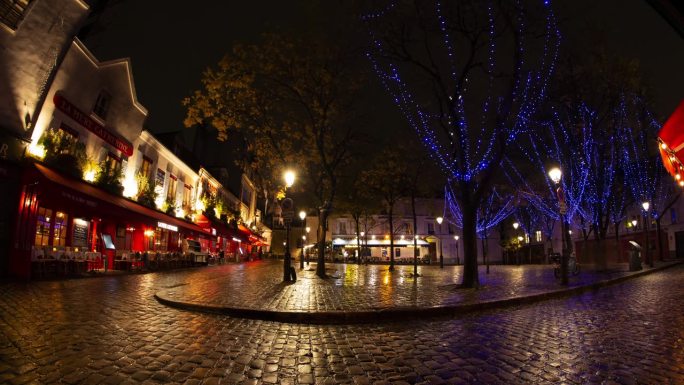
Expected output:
{"points": [[463, 77]]}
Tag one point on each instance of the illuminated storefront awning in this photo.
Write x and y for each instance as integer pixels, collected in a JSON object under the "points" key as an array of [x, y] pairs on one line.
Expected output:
{"points": [[671, 138], [83, 198], [378, 242]]}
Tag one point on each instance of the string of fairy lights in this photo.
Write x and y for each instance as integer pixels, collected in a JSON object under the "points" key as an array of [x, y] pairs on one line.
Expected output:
{"points": [[461, 150], [592, 159]]}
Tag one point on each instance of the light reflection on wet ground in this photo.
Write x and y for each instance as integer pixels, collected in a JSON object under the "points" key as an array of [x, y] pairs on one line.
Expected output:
{"points": [[350, 287]]}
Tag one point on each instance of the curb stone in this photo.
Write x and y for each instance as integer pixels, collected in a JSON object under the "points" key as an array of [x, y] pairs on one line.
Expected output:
{"points": [[395, 313]]}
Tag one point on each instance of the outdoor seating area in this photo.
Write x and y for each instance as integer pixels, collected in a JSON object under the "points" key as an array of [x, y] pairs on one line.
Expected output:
{"points": [[63, 262], [71, 262]]}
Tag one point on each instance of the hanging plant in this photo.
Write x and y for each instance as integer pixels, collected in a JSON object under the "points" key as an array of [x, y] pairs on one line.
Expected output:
{"points": [[109, 178], [63, 152]]}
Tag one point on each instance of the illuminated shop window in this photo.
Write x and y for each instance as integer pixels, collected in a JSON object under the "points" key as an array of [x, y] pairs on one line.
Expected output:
{"points": [[43, 226], [60, 229], [161, 239]]}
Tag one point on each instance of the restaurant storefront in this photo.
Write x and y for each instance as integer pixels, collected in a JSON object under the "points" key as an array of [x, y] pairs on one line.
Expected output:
{"points": [[60, 217]]}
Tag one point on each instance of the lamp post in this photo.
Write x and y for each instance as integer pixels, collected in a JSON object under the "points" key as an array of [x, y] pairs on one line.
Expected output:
{"points": [[555, 174], [287, 204], [363, 246], [634, 223], [302, 216], [646, 206], [441, 257], [458, 260], [517, 251], [307, 235]]}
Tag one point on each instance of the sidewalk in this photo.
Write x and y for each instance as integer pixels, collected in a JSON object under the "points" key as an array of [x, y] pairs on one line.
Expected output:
{"points": [[368, 293]]}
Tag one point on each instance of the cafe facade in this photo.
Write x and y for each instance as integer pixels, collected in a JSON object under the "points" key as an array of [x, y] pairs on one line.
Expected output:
{"points": [[90, 165]]}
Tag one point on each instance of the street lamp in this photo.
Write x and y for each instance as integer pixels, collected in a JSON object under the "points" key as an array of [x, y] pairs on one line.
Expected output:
{"points": [[287, 206], [634, 223], [302, 216], [555, 174], [517, 251], [458, 260], [441, 257], [646, 206], [289, 177]]}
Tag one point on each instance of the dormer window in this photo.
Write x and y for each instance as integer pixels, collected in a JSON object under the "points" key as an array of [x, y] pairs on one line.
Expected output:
{"points": [[12, 12], [102, 105]]}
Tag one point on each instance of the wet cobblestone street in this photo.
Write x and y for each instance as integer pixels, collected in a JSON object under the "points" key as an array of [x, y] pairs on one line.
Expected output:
{"points": [[111, 330]]}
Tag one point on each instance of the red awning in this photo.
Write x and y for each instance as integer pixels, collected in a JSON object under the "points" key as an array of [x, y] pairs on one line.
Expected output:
{"points": [[222, 229], [253, 238], [671, 138], [89, 197]]}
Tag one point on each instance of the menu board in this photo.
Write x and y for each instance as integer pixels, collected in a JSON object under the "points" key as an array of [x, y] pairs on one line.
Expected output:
{"points": [[107, 241], [80, 233]]}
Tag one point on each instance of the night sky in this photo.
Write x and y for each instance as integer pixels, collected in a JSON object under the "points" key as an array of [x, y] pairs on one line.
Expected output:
{"points": [[171, 43]]}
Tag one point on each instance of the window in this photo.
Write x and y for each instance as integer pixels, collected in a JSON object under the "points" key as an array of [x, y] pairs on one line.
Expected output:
{"points": [[187, 192], [60, 229], [159, 180], [113, 163], [161, 239], [43, 226], [12, 12], [431, 228], [145, 167], [451, 228], [538, 235], [171, 192], [342, 227], [673, 215], [397, 252], [102, 105], [246, 195]]}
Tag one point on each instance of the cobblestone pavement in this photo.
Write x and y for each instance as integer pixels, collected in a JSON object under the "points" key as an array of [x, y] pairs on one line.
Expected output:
{"points": [[353, 288], [111, 330]]}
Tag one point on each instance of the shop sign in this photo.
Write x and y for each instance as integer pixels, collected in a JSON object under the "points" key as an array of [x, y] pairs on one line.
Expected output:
{"points": [[91, 125], [79, 199], [11, 148], [167, 226]]}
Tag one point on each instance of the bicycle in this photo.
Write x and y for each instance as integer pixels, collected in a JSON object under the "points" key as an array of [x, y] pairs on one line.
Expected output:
{"points": [[573, 266]]}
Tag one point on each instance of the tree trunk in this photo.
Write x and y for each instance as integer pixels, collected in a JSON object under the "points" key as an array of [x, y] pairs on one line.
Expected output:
{"points": [[322, 230], [358, 239], [391, 234], [470, 274], [660, 239], [415, 231]]}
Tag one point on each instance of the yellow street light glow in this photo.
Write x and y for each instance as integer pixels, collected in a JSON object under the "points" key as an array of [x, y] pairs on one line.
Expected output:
{"points": [[302, 215], [516, 225], [289, 178], [645, 205], [440, 220]]}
